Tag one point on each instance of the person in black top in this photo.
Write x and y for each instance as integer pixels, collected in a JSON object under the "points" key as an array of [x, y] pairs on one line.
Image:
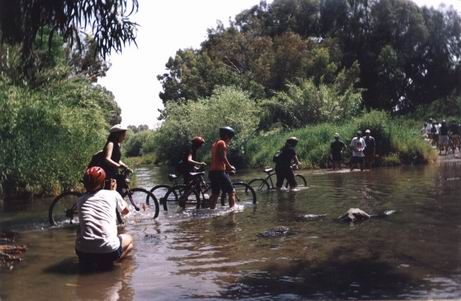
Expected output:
{"points": [[370, 149], [336, 148], [189, 163], [189, 158], [284, 160], [112, 156]]}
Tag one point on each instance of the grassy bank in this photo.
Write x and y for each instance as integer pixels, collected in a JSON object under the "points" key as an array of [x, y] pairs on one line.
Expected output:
{"points": [[398, 141]]}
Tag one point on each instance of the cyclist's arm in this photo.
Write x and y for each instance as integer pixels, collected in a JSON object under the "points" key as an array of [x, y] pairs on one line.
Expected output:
{"points": [[189, 160], [222, 155], [122, 206]]}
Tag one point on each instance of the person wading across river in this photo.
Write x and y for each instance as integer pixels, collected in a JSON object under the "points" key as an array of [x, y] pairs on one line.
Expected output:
{"points": [[370, 149], [220, 166], [357, 146], [285, 160], [336, 149]]}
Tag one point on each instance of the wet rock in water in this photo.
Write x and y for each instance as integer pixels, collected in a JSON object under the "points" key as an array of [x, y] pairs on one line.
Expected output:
{"points": [[354, 215], [10, 253], [275, 232]]}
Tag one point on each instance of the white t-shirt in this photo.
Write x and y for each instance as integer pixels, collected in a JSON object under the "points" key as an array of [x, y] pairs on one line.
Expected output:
{"points": [[98, 221], [358, 145]]}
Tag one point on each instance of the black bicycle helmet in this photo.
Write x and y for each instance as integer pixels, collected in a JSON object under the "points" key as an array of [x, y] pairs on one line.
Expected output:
{"points": [[226, 131]]}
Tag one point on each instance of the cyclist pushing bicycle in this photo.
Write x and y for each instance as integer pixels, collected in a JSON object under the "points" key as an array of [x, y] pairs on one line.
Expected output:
{"points": [[189, 164], [284, 160], [219, 178], [110, 157]]}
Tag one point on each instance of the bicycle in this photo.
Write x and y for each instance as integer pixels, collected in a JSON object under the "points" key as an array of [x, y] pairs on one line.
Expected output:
{"points": [[198, 192], [63, 209], [265, 184], [159, 191]]}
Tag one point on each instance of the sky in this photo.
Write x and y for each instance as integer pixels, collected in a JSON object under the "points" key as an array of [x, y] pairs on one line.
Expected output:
{"points": [[164, 28]]}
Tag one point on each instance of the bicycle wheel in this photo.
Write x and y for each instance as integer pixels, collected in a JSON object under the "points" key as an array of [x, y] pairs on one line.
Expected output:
{"points": [[301, 180], [259, 185], [159, 191], [63, 209], [177, 192], [141, 199], [244, 193]]}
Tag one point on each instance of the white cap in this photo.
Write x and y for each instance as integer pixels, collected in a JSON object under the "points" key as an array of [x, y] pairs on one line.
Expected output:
{"points": [[336, 135], [117, 128], [367, 131]]}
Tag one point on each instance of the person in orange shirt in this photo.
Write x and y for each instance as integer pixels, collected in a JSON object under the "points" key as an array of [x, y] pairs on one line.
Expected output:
{"points": [[219, 178]]}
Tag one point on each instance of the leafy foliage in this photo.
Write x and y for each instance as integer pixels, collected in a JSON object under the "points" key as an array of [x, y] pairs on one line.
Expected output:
{"points": [[228, 106], [22, 20], [405, 55]]}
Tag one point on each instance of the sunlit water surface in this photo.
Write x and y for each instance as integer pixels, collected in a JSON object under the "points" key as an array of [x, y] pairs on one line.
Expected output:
{"points": [[413, 254]]}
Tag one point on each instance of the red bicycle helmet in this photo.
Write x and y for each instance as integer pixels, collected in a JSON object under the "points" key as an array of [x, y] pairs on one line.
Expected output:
{"points": [[198, 141], [94, 178]]}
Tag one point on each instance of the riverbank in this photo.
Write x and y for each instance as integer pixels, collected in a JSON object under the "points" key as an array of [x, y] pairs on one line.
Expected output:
{"points": [[10, 253]]}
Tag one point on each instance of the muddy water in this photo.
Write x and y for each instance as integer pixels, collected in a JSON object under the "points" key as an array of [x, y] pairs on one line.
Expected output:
{"points": [[413, 254]]}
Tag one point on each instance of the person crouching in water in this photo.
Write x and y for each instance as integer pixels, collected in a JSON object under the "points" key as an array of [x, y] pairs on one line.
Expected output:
{"points": [[97, 243], [219, 178], [284, 160]]}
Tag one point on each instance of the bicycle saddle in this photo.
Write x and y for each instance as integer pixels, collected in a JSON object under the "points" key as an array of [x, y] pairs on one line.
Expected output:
{"points": [[172, 177], [194, 174], [268, 170]]}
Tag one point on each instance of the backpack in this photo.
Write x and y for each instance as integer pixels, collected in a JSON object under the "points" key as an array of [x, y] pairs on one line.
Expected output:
{"points": [[97, 160], [277, 156]]}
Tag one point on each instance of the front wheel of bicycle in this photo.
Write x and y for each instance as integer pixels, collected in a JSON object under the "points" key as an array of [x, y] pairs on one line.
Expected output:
{"points": [[63, 209], [259, 185], [142, 200], [159, 191], [244, 193], [183, 193], [300, 180]]}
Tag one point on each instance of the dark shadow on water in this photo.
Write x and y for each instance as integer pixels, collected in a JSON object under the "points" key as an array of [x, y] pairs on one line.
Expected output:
{"points": [[338, 277], [71, 266]]}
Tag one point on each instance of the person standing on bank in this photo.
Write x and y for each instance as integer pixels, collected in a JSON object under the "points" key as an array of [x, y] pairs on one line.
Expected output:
{"points": [[97, 242], [284, 160], [219, 168], [357, 147], [370, 149], [112, 155], [336, 149]]}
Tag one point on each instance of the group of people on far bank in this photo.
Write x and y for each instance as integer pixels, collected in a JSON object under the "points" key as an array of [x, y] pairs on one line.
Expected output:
{"points": [[445, 136], [363, 151]]}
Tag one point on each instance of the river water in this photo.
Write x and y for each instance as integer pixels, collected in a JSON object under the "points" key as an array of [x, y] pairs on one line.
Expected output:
{"points": [[412, 254]]}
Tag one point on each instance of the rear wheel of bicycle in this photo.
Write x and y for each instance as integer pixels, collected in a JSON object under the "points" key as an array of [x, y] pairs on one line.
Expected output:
{"points": [[259, 185], [159, 191], [63, 209], [300, 180], [244, 193], [142, 200]]}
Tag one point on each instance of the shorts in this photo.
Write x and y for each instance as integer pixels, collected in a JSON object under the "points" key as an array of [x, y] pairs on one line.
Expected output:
{"points": [[100, 258], [356, 160], [220, 181], [443, 139], [336, 157]]}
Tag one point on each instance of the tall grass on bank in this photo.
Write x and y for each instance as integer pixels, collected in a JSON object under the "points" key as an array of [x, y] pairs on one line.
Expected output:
{"points": [[398, 141]]}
